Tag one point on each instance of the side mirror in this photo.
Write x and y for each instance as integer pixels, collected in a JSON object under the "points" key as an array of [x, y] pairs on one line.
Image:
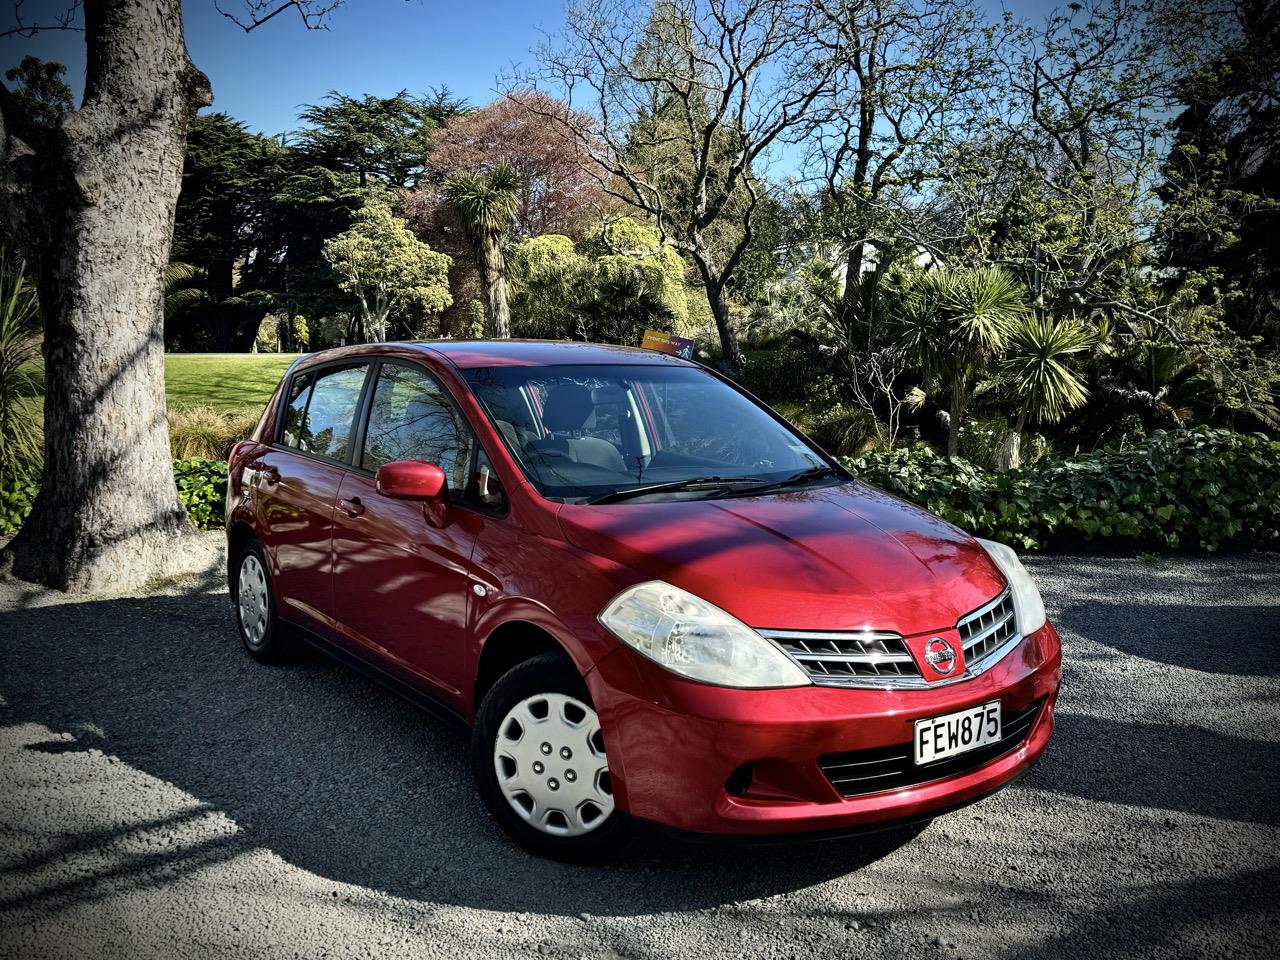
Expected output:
{"points": [[412, 480]]}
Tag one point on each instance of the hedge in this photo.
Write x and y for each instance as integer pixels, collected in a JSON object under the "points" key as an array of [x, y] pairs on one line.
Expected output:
{"points": [[1195, 489], [202, 488], [1200, 489]]}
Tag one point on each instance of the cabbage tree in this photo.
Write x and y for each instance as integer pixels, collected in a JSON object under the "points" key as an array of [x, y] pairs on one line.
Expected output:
{"points": [[1037, 372]]}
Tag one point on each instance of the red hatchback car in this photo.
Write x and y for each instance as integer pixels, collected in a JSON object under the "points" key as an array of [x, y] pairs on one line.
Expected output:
{"points": [[651, 597]]}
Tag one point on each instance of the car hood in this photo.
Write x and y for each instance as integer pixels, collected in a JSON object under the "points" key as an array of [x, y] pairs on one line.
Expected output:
{"points": [[840, 557]]}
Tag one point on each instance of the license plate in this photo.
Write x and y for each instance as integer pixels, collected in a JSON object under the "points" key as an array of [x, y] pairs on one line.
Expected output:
{"points": [[953, 733]]}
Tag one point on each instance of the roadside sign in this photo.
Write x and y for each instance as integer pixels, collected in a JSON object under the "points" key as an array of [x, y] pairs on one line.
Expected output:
{"points": [[667, 343]]}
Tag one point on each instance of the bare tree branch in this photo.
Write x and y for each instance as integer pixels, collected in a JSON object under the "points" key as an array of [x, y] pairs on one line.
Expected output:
{"points": [[314, 13], [66, 20]]}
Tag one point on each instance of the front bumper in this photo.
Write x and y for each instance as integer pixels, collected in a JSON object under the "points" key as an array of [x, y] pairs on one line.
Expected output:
{"points": [[678, 749]]}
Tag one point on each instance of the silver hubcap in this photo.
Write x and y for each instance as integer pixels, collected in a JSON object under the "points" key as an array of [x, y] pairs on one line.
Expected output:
{"points": [[551, 767], [252, 594]]}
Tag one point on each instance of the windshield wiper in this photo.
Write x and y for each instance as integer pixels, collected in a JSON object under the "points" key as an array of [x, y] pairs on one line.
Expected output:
{"points": [[693, 483], [803, 477]]}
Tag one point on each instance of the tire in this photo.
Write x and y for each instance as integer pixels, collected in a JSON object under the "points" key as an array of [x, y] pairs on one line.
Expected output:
{"points": [[254, 604], [547, 786]]}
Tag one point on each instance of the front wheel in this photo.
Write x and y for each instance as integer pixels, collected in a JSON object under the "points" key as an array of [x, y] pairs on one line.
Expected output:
{"points": [[539, 760]]}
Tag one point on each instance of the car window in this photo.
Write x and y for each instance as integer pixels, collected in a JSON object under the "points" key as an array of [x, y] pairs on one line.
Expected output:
{"points": [[602, 429], [322, 410], [295, 414], [412, 418]]}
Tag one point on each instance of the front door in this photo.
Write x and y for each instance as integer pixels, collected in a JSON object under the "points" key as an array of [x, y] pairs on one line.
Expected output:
{"points": [[401, 571]]}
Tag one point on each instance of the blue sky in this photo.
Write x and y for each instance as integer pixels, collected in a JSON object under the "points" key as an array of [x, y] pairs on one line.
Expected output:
{"points": [[372, 46]]}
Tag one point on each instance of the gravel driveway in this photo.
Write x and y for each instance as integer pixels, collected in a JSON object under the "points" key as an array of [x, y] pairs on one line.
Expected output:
{"points": [[163, 796]]}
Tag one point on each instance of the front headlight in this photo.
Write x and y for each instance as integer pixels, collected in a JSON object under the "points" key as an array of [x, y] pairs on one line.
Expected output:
{"points": [[1028, 608], [696, 639]]}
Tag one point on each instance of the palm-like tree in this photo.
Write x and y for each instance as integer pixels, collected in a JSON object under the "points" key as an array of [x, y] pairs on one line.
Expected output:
{"points": [[954, 321], [21, 373], [486, 203], [1037, 372]]}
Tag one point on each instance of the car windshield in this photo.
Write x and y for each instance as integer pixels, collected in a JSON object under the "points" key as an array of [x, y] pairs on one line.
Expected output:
{"points": [[585, 433]]}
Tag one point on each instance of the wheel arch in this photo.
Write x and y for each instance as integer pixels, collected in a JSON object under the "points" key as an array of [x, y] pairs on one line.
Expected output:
{"points": [[507, 646]]}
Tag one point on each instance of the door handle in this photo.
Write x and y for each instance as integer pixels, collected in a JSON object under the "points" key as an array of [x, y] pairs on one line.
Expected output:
{"points": [[269, 473], [352, 506]]}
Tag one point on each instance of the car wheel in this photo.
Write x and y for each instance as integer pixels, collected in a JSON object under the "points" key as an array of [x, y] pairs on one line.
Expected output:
{"points": [[255, 606], [539, 760]]}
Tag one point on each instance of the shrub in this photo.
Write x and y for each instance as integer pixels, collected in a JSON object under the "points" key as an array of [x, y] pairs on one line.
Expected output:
{"points": [[16, 497], [1202, 488], [204, 433], [845, 431], [202, 488]]}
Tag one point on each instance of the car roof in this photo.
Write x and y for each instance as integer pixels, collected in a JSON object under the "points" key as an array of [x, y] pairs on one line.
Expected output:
{"points": [[467, 354]]}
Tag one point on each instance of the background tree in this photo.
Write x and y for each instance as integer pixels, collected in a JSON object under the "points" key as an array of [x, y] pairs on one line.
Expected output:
{"points": [[385, 138], [39, 91], [386, 269], [954, 322], [1222, 215], [1036, 371], [486, 204], [727, 79], [915, 80]]}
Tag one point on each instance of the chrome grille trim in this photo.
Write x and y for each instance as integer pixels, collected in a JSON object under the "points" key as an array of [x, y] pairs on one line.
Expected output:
{"points": [[990, 630], [853, 659], [841, 658]]}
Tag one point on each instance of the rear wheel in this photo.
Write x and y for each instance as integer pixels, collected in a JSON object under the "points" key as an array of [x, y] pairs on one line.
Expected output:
{"points": [[255, 606], [539, 759]]}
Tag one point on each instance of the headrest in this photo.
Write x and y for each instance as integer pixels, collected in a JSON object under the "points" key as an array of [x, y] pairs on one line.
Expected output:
{"points": [[567, 408]]}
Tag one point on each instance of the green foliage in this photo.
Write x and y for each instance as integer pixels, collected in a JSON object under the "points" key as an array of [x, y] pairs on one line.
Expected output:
{"points": [[619, 281], [387, 269], [1036, 366], [39, 92], [21, 374], [16, 497], [1197, 489], [381, 137], [202, 488]]}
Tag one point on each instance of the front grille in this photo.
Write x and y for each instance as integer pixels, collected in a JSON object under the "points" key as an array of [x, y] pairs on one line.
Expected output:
{"points": [[987, 629], [847, 658], [861, 772]]}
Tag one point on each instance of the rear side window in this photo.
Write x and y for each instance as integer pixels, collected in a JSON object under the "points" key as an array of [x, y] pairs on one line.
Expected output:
{"points": [[412, 418], [322, 411]]}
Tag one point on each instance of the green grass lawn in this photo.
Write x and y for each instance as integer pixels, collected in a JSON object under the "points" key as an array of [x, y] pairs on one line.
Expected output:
{"points": [[228, 382]]}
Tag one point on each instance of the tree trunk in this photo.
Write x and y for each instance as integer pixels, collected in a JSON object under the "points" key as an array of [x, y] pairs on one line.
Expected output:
{"points": [[1010, 455], [102, 192], [959, 401], [493, 277]]}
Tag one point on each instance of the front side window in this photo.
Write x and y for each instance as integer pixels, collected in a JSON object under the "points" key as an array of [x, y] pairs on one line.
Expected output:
{"points": [[412, 418], [321, 411], [582, 433]]}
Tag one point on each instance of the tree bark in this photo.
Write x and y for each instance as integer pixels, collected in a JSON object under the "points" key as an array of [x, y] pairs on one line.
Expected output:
{"points": [[725, 327], [493, 277], [102, 190], [1010, 455], [959, 401]]}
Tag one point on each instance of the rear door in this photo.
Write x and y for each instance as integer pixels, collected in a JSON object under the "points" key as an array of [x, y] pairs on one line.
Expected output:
{"points": [[401, 575], [297, 483]]}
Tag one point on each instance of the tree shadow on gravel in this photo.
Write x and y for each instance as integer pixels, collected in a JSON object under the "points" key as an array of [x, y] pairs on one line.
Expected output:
{"points": [[1230, 640], [337, 775], [1164, 767]]}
